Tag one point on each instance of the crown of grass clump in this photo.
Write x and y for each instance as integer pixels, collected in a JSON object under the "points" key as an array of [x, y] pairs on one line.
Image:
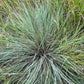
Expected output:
{"points": [[40, 47]]}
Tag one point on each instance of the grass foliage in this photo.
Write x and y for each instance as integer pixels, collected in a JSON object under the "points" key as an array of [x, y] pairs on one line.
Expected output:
{"points": [[40, 43]]}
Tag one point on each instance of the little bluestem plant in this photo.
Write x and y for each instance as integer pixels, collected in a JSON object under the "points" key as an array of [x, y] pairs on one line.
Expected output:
{"points": [[40, 46]]}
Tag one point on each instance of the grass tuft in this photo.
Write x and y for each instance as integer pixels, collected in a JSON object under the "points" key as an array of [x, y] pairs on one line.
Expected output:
{"points": [[41, 46]]}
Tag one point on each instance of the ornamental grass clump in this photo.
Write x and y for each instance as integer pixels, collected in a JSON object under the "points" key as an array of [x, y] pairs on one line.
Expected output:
{"points": [[40, 46]]}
